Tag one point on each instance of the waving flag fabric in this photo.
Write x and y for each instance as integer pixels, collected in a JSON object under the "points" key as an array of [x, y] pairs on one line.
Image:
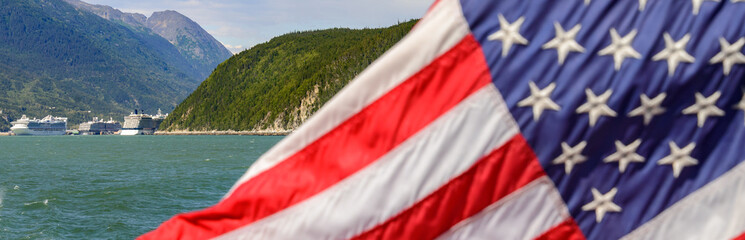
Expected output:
{"points": [[517, 119]]}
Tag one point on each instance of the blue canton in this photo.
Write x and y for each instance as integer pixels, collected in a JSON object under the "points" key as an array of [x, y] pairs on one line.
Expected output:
{"points": [[629, 105]]}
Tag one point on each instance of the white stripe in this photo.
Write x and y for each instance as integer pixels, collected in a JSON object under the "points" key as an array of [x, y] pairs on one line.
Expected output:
{"points": [[416, 168], [524, 214], [441, 29], [716, 211]]}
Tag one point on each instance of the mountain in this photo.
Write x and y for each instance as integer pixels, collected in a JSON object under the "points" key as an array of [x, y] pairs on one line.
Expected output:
{"points": [[110, 13], [199, 48], [194, 43], [276, 85], [56, 59]]}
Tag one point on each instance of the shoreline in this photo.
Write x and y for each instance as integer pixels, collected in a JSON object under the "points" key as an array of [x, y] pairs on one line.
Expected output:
{"points": [[229, 132]]}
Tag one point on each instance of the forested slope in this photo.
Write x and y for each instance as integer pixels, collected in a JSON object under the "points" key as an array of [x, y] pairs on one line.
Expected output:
{"points": [[276, 85], [55, 59]]}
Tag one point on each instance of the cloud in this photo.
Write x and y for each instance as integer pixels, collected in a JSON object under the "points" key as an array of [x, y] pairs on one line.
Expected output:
{"points": [[235, 49], [244, 23]]}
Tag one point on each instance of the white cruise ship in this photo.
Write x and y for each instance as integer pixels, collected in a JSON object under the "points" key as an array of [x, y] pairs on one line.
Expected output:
{"points": [[46, 126], [141, 123], [100, 127]]}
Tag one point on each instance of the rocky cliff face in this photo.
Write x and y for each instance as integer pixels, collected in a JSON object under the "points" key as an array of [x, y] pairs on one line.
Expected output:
{"points": [[197, 46], [109, 13], [194, 43]]}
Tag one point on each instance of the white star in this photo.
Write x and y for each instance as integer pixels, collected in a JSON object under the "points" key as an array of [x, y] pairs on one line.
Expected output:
{"points": [[564, 41], [602, 203], [741, 105], [509, 34], [730, 54], [540, 99], [571, 156], [587, 2], [596, 106], [625, 155], [705, 107], [674, 52], [697, 5], [679, 158], [620, 48], [649, 107], [643, 4]]}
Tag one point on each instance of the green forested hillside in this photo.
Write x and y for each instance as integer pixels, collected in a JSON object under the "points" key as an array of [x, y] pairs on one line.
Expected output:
{"points": [[57, 60], [276, 85]]}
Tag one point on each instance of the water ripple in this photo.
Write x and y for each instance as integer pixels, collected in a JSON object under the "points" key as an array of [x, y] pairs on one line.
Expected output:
{"points": [[113, 187]]}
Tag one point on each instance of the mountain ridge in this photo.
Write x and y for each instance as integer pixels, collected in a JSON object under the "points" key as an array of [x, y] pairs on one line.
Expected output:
{"points": [[191, 39], [202, 50], [110, 13]]}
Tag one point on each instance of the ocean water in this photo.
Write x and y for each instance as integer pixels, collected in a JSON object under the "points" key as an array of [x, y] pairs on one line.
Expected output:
{"points": [[114, 187]]}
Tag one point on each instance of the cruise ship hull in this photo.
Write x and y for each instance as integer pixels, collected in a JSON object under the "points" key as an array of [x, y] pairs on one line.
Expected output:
{"points": [[133, 132], [97, 127], [20, 131]]}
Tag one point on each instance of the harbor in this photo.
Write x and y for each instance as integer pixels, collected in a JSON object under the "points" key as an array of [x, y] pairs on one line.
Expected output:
{"points": [[136, 123]]}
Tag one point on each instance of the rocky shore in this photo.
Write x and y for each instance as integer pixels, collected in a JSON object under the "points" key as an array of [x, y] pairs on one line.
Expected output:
{"points": [[229, 132]]}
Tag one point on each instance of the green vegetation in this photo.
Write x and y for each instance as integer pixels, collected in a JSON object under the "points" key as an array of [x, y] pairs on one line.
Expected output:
{"points": [[276, 85], [57, 60]]}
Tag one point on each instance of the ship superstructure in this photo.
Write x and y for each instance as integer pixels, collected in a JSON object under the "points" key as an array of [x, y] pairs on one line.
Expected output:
{"points": [[141, 123], [159, 118], [99, 127], [48, 125]]}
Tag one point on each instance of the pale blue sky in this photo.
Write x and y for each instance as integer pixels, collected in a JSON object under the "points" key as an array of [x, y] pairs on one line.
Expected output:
{"points": [[240, 24]]}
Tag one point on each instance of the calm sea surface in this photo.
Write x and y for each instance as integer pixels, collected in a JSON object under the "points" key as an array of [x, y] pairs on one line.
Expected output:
{"points": [[114, 187]]}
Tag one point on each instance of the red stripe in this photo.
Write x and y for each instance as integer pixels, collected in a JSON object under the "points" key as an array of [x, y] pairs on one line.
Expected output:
{"points": [[741, 237], [493, 177], [433, 6], [351, 146], [566, 230]]}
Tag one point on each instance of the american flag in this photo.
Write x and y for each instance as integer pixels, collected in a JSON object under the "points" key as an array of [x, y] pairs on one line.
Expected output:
{"points": [[517, 119]]}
